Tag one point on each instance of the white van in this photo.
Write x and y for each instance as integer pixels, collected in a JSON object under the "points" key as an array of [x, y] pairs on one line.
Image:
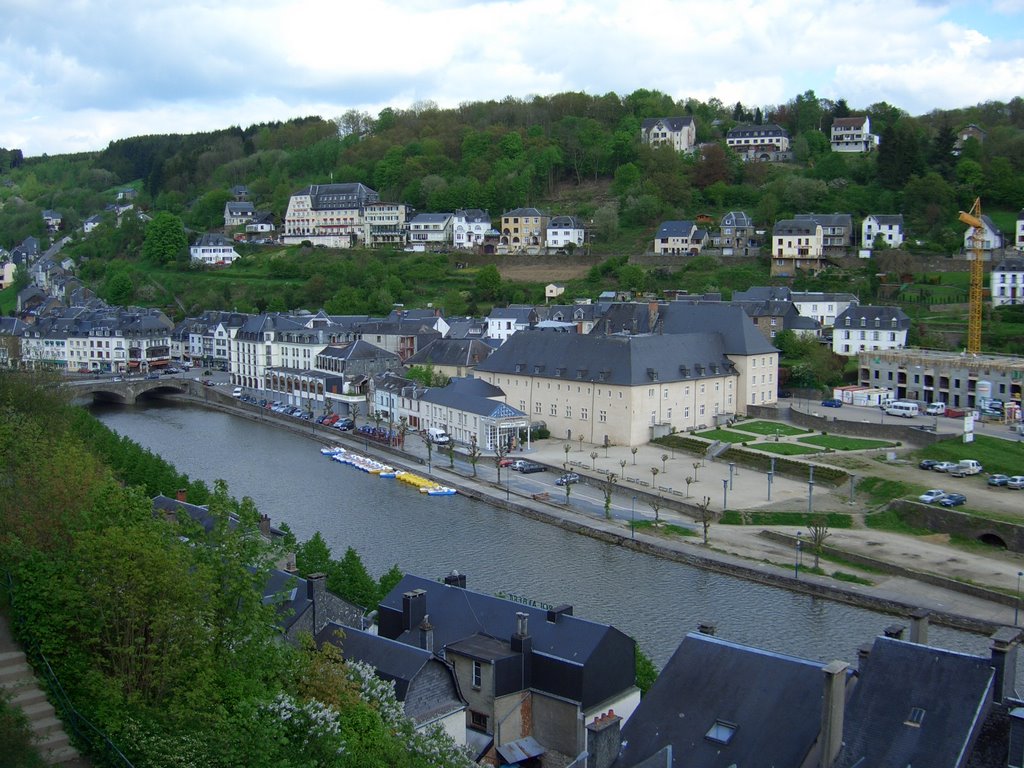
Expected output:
{"points": [[438, 436], [936, 409], [907, 410]]}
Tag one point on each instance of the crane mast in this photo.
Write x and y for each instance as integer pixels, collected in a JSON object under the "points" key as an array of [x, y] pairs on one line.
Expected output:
{"points": [[973, 219]]}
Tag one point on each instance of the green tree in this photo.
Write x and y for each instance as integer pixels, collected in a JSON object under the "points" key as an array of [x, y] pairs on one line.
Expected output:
{"points": [[165, 239], [487, 283]]}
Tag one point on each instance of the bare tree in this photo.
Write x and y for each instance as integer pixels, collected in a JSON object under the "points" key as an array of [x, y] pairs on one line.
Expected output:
{"points": [[500, 452], [474, 453], [565, 464], [450, 450], [664, 461], [654, 477], [403, 430], [608, 488], [689, 480], [633, 450], [817, 532], [705, 516], [655, 502], [568, 490], [593, 459], [696, 466]]}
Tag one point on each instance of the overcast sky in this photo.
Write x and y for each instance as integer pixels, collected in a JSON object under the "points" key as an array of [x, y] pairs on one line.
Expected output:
{"points": [[76, 74]]}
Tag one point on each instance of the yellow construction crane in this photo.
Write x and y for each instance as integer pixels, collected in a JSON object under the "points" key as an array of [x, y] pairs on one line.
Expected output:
{"points": [[973, 219]]}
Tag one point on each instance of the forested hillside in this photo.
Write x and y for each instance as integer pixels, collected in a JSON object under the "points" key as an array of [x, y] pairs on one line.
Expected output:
{"points": [[573, 152]]}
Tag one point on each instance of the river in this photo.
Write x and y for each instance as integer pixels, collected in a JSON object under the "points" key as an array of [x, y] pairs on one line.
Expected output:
{"points": [[656, 601]]}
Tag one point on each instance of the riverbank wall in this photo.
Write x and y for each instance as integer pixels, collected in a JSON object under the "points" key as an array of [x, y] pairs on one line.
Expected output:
{"points": [[550, 511]]}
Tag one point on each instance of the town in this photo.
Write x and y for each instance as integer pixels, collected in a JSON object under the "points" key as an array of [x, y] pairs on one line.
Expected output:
{"points": [[540, 385]]}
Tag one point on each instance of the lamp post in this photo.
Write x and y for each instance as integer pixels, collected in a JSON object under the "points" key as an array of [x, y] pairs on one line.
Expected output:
{"points": [[796, 559], [1016, 605], [725, 494], [770, 476], [632, 532], [732, 467], [810, 497]]}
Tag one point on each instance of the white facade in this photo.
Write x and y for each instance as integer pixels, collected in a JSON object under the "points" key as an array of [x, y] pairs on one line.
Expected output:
{"points": [[680, 133], [331, 215], [889, 227], [853, 134], [796, 244], [991, 237], [1019, 237], [565, 230], [213, 249], [469, 228], [867, 330], [1007, 283], [431, 229], [823, 307]]}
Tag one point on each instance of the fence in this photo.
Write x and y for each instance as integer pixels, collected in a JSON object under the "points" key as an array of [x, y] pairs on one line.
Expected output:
{"points": [[86, 736]]}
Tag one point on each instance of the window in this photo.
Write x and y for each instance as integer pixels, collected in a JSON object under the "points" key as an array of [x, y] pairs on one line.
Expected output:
{"points": [[537, 408], [568, 411], [477, 674], [478, 719], [584, 414], [915, 718], [602, 416], [721, 732], [554, 409]]}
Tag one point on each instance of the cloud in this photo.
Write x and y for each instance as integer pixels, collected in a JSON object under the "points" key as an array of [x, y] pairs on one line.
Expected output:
{"points": [[105, 70]]}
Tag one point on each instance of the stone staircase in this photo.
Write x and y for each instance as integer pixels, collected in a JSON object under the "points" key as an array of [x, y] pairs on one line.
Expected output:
{"points": [[18, 681]]}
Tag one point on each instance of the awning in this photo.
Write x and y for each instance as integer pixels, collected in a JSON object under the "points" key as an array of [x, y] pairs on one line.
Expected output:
{"points": [[522, 749]]}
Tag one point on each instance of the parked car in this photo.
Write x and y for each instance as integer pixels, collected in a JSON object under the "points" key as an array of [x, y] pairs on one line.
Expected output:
{"points": [[344, 424], [953, 500], [945, 466], [1016, 482], [506, 462], [530, 467], [832, 403], [785, 394], [568, 479], [998, 480], [927, 463], [930, 497], [153, 375], [518, 464], [236, 392]]}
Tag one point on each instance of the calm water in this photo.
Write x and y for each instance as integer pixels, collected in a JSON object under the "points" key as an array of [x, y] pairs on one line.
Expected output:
{"points": [[654, 600]]}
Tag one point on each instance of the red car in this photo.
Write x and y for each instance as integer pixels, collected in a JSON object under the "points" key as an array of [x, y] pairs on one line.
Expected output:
{"points": [[505, 462]]}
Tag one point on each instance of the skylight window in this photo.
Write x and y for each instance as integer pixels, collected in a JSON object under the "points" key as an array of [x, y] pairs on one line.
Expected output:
{"points": [[915, 718], [721, 732]]}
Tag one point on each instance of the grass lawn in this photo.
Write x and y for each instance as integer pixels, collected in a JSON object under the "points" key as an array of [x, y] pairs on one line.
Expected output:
{"points": [[996, 455], [8, 300], [769, 428], [839, 443], [785, 449], [725, 435], [664, 529], [732, 517]]}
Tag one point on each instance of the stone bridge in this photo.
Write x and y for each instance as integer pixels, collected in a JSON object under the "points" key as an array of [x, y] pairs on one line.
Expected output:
{"points": [[128, 390]]}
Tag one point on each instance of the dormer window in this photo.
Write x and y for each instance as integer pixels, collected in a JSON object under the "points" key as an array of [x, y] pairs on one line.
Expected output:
{"points": [[894, 322], [878, 322], [863, 322], [847, 322]]}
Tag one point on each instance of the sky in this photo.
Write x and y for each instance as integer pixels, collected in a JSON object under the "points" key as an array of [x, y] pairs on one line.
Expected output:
{"points": [[77, 74]]}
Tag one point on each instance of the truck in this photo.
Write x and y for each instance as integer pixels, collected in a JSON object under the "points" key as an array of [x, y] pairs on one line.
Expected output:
{"points": [[899, 408], [936, 409], [966, 467]]}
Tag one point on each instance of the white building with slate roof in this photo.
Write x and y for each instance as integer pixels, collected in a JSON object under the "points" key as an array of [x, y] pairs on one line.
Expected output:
{"points": [[887, 226], [868, 329], [680, 133], [332, 215], [1006, 283], [433, 230], [627, 388], [469, 227]]}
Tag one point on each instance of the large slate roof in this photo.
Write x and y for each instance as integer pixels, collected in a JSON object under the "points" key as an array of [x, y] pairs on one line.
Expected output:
{"points": [[393, 660], [616, 360], [473, 396], [672, 123], [950, 690], [884, 315], [675, 229], [773, 701], [452, 352]]}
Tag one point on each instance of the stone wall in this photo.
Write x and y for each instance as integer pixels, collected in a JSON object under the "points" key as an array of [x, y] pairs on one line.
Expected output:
{"points": [[872, 430], [951, 521]]}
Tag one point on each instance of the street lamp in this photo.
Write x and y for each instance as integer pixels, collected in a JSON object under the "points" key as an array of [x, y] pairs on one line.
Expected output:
{"points": [[810, 497], [732, 466], [1016, 605], [632, 532], [725, 494], [770, 476], [797, 558]]}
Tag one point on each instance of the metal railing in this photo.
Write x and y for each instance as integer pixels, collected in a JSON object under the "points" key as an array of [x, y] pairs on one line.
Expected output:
{"points": [[85, 736]]}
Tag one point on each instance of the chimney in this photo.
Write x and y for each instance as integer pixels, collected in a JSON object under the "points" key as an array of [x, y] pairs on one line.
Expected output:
{"points": [[414, 608], [863, 652], [832, 712], [652, 315], [456, 579], [603, 740], [316, 590], [554, 614], [919, 626], [707, 628], [1016, 757], [182, 494], [1005, 641], [895, 631], [522, 644], [265, 526], [289, 563], [427, 634]]}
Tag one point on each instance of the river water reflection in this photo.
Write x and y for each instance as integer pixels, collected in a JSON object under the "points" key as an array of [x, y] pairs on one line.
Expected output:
{"points": [[654, 600]]}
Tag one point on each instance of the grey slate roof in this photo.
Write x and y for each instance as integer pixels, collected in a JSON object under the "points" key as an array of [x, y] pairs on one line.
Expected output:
{"points": [[430, 218], [672, 123], [213, 239], [774, 702], [617, 360], [794, 227], [474, 216], [828, 219], [339, 196], [737, 219], [565, 222], [473, 396], [951, 690], [869, 313], [1012, 264], [525, 212], [574, 658], [763, 293], [452, 352], [357, 350], [675, 229], [766, 130], [889, 219]]}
